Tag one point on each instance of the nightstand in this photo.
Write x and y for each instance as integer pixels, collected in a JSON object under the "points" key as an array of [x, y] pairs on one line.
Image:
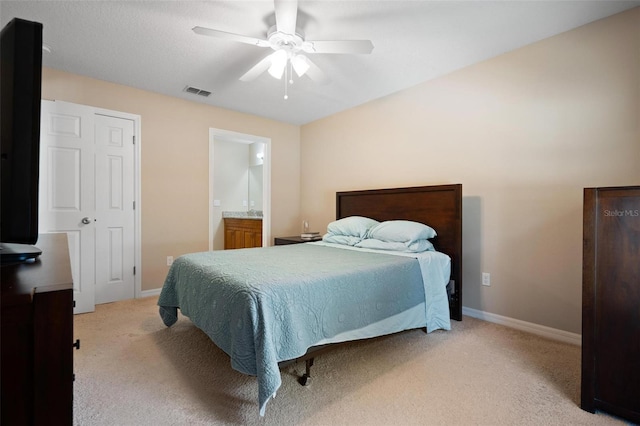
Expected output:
{"points": [[281, 241]]}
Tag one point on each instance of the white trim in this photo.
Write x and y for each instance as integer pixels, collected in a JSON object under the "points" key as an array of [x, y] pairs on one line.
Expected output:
{"points": [[211, 195], [266, 195], [540, 330], [266, 178], [149, 293]]}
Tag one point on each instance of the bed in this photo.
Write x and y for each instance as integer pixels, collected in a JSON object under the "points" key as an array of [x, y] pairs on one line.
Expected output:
{"points": [[268, 306]]}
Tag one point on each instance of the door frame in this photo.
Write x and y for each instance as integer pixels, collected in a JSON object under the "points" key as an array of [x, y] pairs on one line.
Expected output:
{"points": [[137, 178], [244, 138]]}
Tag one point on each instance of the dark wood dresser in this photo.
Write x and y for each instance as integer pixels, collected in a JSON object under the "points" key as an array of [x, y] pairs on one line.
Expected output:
{"points": [[611, 301], [37, 337]]}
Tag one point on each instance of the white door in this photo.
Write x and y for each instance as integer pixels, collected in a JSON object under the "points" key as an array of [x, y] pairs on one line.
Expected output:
{"points": [[67, 202], [114, 218], [87, 190]]}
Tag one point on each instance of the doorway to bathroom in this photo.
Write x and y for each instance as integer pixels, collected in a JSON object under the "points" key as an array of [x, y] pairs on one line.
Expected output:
{"points": [[239, 181]]}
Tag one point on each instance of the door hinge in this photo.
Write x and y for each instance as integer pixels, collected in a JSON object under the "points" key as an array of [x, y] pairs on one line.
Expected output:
{"points": [[134, 270], [134, 140], [134, 205]]}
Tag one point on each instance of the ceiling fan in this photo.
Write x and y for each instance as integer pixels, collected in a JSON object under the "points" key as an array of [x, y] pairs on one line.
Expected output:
{"points": [[290, 48]]}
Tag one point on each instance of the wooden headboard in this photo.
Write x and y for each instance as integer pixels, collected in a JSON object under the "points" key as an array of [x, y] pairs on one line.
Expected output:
{"points": [[438, 206]]}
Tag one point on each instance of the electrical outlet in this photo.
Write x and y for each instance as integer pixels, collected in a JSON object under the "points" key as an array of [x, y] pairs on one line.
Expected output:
{"points": [[169, 260], [486, 279]]}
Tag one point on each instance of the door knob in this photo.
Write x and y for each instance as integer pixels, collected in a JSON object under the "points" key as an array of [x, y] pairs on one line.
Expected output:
{"points": [[86, 220]]}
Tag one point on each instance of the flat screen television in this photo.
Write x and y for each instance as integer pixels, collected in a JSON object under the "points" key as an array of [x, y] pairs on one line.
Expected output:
{"points": [[20, 94]]}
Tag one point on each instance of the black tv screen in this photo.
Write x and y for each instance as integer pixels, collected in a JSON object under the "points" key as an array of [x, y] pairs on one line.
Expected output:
{"points": [[20, 93]]}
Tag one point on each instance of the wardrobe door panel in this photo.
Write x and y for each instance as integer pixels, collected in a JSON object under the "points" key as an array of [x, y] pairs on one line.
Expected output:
{"points": [[611, 301], [617, 349]]}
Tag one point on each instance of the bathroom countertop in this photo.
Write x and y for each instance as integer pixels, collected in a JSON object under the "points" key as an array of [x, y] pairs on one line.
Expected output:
{"points": [[257, 215]]}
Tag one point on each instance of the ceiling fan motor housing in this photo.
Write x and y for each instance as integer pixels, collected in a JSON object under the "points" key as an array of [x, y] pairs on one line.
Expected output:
{"points": [[293, 43]]}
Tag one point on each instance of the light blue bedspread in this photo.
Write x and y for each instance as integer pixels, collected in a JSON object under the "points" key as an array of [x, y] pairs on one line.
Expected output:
{"points": [[262, 306]]}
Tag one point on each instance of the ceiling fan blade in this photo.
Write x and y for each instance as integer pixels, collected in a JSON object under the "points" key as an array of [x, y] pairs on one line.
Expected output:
{"points": [[316, 74], [286, 16], [257, 69], [339, 46], [230, 36]]}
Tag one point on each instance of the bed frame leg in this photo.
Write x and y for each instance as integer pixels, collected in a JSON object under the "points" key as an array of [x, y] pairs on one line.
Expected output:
{"points": [[304, 379]]}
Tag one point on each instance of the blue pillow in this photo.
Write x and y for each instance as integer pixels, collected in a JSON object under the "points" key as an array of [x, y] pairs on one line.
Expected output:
{"points": [[401, 231], [352, 226]]}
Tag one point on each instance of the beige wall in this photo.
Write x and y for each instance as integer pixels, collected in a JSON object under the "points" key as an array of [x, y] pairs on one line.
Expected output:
{"points": [[524, 133], [175, 169]]}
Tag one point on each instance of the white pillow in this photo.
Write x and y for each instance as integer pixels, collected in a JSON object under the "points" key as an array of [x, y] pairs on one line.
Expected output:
{"points": [[341, 239], [352, 226], [417, 246], [401, 231]]}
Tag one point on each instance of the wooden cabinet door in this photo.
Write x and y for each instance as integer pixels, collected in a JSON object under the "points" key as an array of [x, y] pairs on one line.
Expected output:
{"points": [[242, 233], [611, 301]]}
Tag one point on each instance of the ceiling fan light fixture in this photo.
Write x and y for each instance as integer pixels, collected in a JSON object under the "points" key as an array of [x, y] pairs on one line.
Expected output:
{"points": [[278, 63], [300, 64]]}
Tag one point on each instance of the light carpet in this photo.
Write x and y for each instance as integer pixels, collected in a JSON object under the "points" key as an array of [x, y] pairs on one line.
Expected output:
{"points": [[132, 370]]}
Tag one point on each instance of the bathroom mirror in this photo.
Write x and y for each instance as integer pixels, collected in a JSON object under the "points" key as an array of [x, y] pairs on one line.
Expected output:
{"points": [[255, 187], [254, 176]]}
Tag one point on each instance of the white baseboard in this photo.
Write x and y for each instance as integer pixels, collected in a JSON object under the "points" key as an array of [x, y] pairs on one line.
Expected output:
{"points": [[149, 293], [540, 330]]}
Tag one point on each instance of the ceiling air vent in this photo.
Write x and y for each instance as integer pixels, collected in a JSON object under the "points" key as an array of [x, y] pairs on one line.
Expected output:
{"points": [[196, 91]]}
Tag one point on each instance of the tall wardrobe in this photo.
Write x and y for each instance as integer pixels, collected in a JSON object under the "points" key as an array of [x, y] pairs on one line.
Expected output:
{"points": [[611, 301]]}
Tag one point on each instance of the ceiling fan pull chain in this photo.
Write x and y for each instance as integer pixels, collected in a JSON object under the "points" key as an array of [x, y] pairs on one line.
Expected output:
{"points": [[290, 72], [286, 83]]}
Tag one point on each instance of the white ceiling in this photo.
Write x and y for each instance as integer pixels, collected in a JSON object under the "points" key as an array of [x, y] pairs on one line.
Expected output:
{"points": [[150, 45]]}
